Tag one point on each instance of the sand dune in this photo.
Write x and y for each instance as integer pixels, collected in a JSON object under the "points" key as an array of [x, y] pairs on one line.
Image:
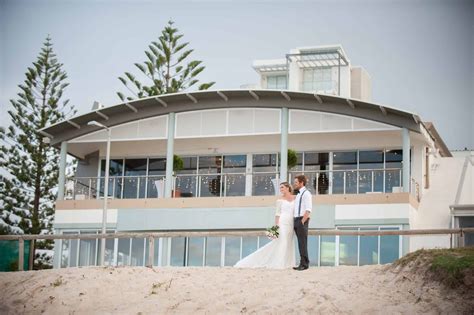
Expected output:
{"points": [[134, 290]]}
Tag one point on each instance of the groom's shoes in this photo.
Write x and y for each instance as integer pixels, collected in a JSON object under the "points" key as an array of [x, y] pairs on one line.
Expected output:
{"points": [[300, 268]]}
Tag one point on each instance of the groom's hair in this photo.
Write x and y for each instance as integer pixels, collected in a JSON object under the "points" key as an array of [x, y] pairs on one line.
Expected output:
{"points": [[302, 179]]}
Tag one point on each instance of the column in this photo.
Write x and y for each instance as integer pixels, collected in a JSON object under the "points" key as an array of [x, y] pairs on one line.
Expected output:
{"points": [[169, 155], [406, 159], [62, 170], [284, 145]]}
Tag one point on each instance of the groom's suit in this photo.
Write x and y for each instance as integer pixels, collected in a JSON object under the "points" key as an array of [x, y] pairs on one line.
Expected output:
{"points": [[303, 203]]}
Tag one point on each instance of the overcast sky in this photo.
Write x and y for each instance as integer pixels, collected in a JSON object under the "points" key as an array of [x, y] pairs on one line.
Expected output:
{"points": [[419, 54]]}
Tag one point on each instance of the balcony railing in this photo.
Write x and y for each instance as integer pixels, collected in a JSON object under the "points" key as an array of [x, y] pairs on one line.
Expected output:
{"points": [[320, 182]]}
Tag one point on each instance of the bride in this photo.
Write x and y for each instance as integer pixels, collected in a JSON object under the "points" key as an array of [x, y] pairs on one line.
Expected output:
{"points": [[279, 253]]}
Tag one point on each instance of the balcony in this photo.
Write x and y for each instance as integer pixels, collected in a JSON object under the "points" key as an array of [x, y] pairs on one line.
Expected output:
{"points": [[323, 182]]}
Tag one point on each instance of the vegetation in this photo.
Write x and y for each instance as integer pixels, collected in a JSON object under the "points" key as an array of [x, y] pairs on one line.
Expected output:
{"points": [[449, 266]]}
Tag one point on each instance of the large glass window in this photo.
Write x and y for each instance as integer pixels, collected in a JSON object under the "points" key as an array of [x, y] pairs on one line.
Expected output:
{"points": [[115, 178], [264, 174], [249, 245], [210, 168], [234, 175], [370, 171], [88, 251], [318, 80], [313, 250], [348, 248], [316, 168], [138, 248], [213, 251], [389, 246], [195, 251], [135, 178], [277, 82], [368, 248], [123, 254], [344, 173], [178, 245], [186, 181], [232, 251], [328, 250], [393, 173], [156, 174]]}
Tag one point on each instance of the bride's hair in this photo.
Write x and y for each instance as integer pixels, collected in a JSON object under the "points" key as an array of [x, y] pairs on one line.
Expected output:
{"points": [[287, 185]]}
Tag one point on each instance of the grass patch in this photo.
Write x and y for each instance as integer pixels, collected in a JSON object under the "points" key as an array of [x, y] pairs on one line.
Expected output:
{"points": [[449, 266]]}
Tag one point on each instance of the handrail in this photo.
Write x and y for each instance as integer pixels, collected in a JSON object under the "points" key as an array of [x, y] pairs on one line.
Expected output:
{"points": [[151, 236]]}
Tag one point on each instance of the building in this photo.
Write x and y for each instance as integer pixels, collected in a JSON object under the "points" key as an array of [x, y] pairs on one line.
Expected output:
{"points": [[369, 167]]}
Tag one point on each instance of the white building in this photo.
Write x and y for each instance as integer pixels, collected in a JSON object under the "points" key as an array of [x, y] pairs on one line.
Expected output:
{"points": [[370, 167]]}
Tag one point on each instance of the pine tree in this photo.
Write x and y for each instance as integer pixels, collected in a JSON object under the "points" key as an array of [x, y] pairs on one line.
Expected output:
{"points": [[29, 166], [165, 68]]}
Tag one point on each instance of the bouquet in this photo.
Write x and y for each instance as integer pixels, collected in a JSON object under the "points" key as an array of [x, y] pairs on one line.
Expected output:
{"points": [[273, 232]]}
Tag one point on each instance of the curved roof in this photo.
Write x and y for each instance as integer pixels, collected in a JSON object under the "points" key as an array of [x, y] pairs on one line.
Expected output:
{"points": [[213, 99]]}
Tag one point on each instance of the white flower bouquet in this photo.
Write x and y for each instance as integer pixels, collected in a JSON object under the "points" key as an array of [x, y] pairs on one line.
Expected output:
{"points": [[273, 232]]}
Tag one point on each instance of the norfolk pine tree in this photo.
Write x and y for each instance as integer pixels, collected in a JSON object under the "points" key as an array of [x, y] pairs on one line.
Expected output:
{"points": [[30, 167], [167, 69]]}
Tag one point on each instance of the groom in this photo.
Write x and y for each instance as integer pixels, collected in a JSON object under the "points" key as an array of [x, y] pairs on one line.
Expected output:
{"points": [[303, 207]]}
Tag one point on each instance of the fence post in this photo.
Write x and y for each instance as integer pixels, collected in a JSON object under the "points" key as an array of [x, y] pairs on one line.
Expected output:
{"points": [[151, 251], [21, 253]]}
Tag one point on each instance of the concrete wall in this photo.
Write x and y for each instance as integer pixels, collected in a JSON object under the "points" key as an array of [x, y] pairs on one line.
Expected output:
{"points": [[361, 84]]}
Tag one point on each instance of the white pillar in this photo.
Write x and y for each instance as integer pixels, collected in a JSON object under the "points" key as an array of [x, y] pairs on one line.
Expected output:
{"points": [[169, 155], [284, 146], [62, 170], [406, 159]]}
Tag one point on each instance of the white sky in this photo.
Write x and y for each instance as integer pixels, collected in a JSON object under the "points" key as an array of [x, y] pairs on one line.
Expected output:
{"points": [[419, 53]]}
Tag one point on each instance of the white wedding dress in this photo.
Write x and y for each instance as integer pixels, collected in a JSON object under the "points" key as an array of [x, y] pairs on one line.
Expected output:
{"points": [[279, 253]]}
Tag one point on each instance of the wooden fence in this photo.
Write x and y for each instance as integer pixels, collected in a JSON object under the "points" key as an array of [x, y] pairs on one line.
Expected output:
{"points": [[151, 236]]}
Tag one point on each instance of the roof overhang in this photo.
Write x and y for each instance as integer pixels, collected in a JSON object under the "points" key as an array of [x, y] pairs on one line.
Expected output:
{"points": [[202, 100]]}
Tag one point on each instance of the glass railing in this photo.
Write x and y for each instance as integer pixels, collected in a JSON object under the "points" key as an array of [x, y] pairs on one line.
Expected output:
{"points": [[320, 182]]}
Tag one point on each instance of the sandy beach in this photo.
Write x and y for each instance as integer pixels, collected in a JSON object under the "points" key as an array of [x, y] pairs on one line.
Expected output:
{"points": [[140, 290]]}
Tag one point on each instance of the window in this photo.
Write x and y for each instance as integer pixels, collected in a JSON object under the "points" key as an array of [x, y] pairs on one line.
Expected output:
{"points": [[345, 173], [264, 173], [277, 82], [318, 79], [370, 180]]}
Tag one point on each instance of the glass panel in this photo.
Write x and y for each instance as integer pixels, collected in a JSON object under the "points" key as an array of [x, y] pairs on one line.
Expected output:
{"points": [[370, 160], [154, 183], [232, 250], [178, 245], [138, 246], [87, 251], [235, 184], [185, 182], [317, 181], [262, 241], [69, 251], [156, 247], [392, 179], [195, 251], [313, 250], [249, 245], [348, 248], [210, 164], [157, 166], [368, 248], [115, 181], [109, 250], [213, 251], [328, 250], [389, 246], [123, 254], [210, 185], [344, 161], [262, 184]]}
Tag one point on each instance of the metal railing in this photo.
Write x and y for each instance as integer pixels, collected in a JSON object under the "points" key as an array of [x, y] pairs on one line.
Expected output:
{"points": [[242, 233], [320, 182]]}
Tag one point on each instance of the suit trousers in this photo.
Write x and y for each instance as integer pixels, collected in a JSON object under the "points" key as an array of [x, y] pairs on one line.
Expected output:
{"points": [[302, 236]]}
